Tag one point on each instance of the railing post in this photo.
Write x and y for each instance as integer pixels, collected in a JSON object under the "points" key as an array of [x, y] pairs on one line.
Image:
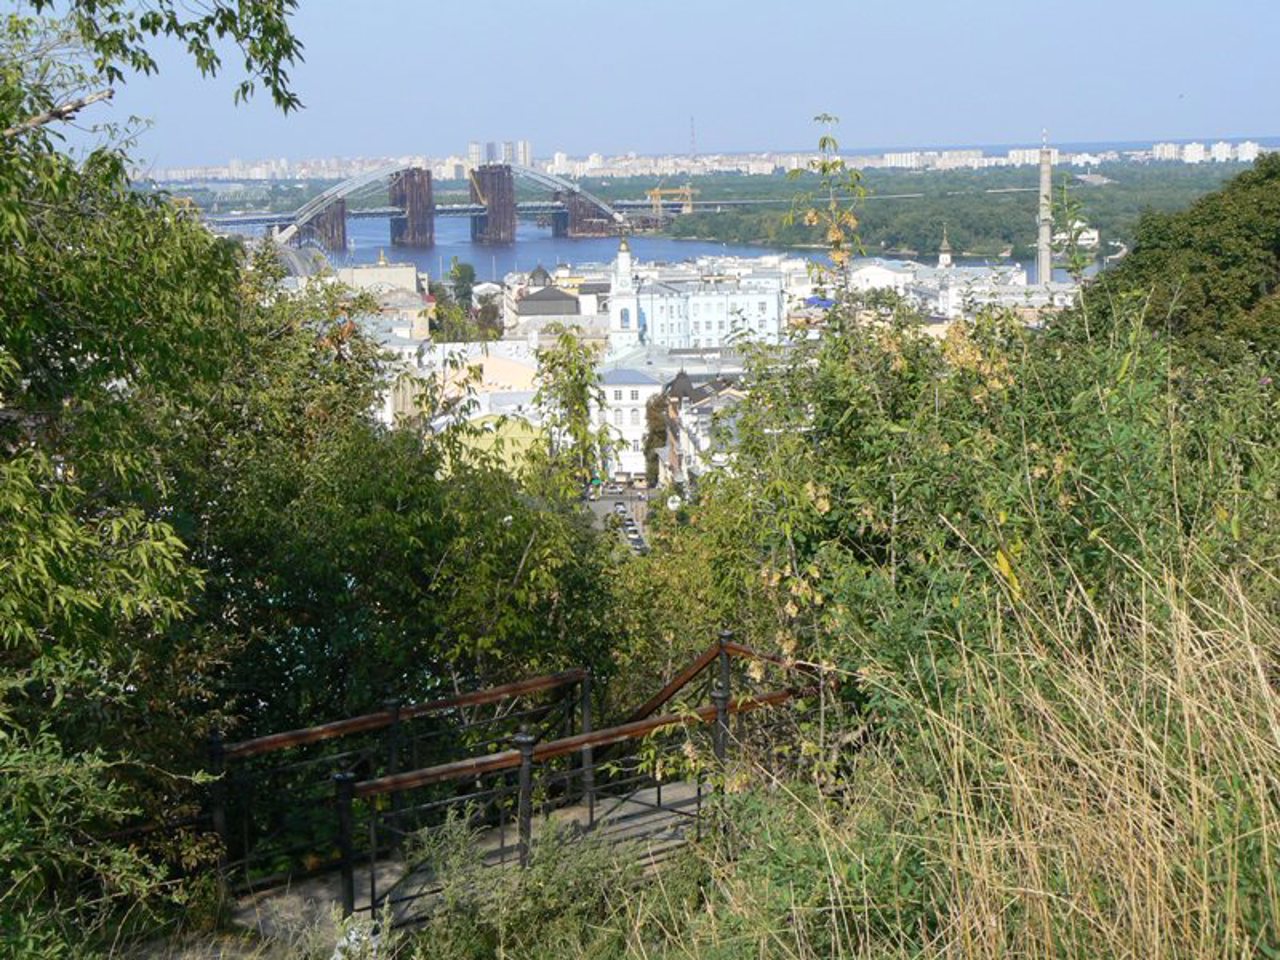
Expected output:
{"points": [[525, 741], [588, 754], [218, 793], [726, 636], [392, 707], [344, 787], [720, 733]]}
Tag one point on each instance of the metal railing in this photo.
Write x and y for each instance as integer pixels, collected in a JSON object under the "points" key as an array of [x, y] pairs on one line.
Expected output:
{"points": [[273, 805], [589, 778]]}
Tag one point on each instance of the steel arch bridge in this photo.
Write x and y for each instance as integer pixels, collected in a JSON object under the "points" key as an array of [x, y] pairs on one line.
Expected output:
{"points": [[493, 208]]}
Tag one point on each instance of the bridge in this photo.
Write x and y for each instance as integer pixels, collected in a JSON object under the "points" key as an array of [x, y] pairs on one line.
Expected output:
{"points": [[493, 210]]}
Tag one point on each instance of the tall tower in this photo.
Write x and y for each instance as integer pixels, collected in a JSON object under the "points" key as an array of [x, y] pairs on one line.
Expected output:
{"points": [[624, 305], [1044, 238], [944, 251]]}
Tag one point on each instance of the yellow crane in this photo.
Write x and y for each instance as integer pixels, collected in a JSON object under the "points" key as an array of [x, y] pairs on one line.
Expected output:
{"points": [[684, 194]]}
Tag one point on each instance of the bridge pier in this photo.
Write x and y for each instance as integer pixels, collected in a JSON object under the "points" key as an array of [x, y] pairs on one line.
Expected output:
{"points": [[494, 186], [329, 226], [584, 218], [412, 192]]}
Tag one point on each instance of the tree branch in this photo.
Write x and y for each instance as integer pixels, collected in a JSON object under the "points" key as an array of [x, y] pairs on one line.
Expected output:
{"points": [[61, 112]]}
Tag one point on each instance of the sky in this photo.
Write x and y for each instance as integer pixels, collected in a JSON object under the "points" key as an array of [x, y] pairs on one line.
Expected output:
{"points": [[392, 77]]}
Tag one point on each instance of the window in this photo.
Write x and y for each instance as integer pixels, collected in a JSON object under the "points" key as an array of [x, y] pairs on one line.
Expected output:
{"points": [[695, 326], [617, 418], [635, 417], [722, 325], [635, 395], [617, 394], [626, 318], [760, 307], [635, 446]]}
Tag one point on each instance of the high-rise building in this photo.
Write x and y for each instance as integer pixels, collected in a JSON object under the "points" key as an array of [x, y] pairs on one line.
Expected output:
{"points": [[475, 155], [1221, 152], [1023, 157], [1193, 153], [491, 152], [1246, 151], [524, 153], [508, 152], [1166, 151]]}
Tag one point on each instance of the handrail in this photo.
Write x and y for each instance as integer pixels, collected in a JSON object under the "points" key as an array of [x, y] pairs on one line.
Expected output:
{"points": [[510, 759], [681, 679], [384, 718], [674, 685]]}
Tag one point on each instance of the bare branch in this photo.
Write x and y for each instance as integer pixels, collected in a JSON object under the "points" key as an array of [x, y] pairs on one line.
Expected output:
{"points": [[61, 112]]}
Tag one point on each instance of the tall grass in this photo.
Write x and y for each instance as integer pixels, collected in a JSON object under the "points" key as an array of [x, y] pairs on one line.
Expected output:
{"points": [[1096, 787]]}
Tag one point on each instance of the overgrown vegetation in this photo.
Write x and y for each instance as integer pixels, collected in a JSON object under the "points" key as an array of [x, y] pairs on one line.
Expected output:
{"points": [[1040, 564]]}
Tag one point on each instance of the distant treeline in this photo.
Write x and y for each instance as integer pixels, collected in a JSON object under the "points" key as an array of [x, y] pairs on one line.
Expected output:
{"points": [[978, 222]]}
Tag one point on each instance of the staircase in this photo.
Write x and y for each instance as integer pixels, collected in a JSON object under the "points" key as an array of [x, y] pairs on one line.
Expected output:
{"points": [[370, 810]]}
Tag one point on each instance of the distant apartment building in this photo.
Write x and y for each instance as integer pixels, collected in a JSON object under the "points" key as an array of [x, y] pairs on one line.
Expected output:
{"points": [[1247, 151], [1166, 151], [910, 160], [508, 151], [1030, 156], [475, 154], [1193, 153], [1221, 152], [524, 153], [491, 154]]}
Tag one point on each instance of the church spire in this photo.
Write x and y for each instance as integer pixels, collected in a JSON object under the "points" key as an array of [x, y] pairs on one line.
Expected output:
{"points": [[944, 250]]}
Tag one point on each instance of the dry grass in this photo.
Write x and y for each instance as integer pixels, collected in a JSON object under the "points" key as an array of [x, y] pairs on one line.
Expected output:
{"points": [[1097, 787]]}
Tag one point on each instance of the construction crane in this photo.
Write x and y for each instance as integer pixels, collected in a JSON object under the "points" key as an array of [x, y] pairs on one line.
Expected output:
{"points": [[683, 194]]}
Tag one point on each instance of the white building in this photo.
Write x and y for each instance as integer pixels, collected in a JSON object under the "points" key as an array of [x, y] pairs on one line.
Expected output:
{"points": [[626, 395], [693, 306], [1247, 151], [1030, 156], [1221, 152], [1166, 151], [1193, 153]]}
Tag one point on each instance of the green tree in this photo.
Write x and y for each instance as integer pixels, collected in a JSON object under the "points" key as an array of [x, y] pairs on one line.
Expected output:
{"points": [[462, 278]]}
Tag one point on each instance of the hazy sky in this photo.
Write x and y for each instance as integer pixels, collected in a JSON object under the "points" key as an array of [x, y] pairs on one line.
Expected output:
{"points": [[415, 76]]}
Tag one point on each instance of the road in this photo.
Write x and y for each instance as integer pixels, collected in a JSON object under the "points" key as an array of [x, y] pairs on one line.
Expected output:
{"points": [[636, 508]]}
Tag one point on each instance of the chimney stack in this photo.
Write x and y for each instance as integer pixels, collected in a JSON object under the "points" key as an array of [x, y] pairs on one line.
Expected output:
{"points": [[1044, 239]]}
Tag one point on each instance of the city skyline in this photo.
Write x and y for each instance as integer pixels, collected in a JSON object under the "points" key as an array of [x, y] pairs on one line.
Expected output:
{"points": [[750, 77]]}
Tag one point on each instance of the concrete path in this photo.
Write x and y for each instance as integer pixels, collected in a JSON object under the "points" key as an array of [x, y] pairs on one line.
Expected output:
{"points": [[310, 909]]}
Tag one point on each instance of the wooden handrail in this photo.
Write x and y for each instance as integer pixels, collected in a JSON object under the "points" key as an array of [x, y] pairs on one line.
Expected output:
{"points": [[682, 679], [510, 759], [675, 685], [383, 718]]}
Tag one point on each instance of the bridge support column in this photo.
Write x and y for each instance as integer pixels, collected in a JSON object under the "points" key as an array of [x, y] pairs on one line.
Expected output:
{"points": [[329, 226], [412, 192], [494, 186], [585, 219]]}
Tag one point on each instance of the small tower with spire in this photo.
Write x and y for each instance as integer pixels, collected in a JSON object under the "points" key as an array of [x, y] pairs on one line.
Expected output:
{"points": [[624, 305], [944, 250]]}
